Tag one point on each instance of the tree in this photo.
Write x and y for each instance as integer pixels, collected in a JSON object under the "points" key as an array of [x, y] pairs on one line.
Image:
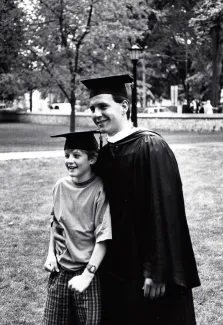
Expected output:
{"points": [[55, 34], [208, 24], [164, 38], [71, 41], [11, 38]]}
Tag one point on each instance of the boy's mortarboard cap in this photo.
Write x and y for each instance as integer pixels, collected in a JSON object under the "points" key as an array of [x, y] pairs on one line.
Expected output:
{"points": [[83, 140], [114, 85]]}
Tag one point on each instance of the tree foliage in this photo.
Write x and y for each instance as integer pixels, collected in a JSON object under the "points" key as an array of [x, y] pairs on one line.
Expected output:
{"points": [[11, 37], [164, 39], [55, 33], [59, 42], [208, 25]]}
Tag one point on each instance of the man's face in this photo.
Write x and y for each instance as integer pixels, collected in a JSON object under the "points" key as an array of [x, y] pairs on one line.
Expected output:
{"points": [[107, 114]]}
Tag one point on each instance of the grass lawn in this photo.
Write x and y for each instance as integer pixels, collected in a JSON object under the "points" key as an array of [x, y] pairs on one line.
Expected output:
{"points": [[36, 137], [25, 204]]}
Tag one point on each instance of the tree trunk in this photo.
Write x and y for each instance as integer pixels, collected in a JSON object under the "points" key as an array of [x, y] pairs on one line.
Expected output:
{"points": [[72, 115], [30, 100], [217, 56]]}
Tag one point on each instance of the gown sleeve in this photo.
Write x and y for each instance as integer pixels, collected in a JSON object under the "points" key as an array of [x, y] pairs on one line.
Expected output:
{"points": [[163, 235]]}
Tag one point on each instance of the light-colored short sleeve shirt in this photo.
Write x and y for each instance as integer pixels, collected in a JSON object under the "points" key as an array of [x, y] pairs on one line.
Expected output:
{"points": [[82, 216]]}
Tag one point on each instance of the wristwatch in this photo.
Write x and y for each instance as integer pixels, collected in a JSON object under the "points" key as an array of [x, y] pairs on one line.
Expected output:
{"points": [[91, 268]]}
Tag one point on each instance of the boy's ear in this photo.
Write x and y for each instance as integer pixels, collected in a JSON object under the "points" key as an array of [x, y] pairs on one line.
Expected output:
{"points": [[94, 159]]}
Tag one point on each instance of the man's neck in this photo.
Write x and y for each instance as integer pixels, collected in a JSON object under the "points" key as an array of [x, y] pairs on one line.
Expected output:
{"points": [[124, 132]]}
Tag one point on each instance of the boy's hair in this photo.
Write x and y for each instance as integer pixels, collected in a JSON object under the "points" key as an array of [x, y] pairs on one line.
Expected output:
{"points": [[91, 153], [120, 99]]}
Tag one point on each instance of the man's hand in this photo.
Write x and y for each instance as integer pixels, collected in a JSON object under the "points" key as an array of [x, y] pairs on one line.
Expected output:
{"points": [[153, 289], [51, 264], [81, 282]]}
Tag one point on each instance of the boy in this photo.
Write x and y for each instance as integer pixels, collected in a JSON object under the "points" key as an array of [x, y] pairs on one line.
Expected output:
{"points": [[81, 225]]}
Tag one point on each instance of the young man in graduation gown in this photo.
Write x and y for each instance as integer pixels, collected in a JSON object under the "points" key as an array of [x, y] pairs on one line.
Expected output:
{"points": [[150, 267]]}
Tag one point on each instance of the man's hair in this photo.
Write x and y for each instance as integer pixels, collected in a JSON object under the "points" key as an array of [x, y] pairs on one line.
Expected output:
{"points": [[120, 99]]}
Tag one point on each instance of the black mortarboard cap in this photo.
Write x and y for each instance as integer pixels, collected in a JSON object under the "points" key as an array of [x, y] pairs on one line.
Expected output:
{"points": [[114, 85], [84, 140]]}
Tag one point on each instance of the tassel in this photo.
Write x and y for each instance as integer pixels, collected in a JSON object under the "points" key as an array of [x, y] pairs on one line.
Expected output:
{"points": [[101, 140]]}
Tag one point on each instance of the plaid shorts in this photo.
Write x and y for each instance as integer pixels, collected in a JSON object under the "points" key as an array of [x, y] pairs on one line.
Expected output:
{"points": [[65, 307]]}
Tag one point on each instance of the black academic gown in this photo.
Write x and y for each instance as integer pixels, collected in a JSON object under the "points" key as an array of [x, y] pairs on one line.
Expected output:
{"points": [[150, 231]]}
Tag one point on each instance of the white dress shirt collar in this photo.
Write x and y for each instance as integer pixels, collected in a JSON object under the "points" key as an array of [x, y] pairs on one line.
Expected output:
{"points": [[122, 134]]}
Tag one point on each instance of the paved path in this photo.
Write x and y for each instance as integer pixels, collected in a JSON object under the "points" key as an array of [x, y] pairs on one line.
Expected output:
{"points": [[30, 155], [60, 153]]}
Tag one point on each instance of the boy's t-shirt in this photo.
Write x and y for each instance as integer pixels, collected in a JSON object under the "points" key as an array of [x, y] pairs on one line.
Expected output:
{"points": [[81, 215]]}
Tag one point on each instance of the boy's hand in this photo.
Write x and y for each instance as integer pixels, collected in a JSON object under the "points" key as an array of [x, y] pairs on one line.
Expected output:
{"points": [[51, 264], [81, 282]]}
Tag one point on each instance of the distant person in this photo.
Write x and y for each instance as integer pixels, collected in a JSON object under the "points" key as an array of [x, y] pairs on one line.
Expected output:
{"points": [[193, 106], [185, 108], [79, 231], [198, 104], [201, 108], [208, 108], [151, 267]]}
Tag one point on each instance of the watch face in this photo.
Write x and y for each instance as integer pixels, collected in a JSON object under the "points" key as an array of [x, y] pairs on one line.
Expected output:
{"points": [[91, 268]]}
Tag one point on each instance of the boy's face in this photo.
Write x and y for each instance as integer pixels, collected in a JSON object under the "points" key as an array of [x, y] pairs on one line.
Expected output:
{"points": [[106, 113], [78, 164]]}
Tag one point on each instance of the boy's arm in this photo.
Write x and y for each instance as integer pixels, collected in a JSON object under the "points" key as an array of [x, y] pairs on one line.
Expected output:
{"points": [[51, 261], [98, 254], [81, 282]]}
